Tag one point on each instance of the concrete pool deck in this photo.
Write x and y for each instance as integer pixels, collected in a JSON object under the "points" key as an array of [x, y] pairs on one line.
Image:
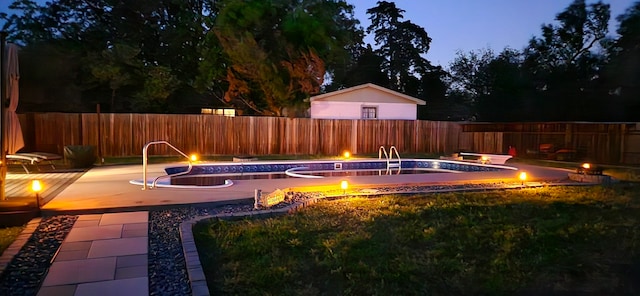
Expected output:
{"points": [[107, 189]]}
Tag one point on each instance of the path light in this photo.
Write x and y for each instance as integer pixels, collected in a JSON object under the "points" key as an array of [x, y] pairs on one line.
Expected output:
{"points": [[484, 159], [589, 169], [344, 185], [36, 187], [346, 155], [522, 177], [193, 157]]}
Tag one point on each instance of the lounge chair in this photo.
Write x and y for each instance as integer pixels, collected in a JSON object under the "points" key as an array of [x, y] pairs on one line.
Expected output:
{"points": [[33, 158], [22, 159], [43, 156]]}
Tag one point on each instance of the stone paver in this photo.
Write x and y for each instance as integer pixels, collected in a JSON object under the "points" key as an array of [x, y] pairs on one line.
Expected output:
{"points": [[135, 230], [118, 247], [89, 217], [104, 254], [67, 290], [75, 246], [72, 255], [80, 271], [132, 272], [124, 218], [86, 223], [134, 286], [94, 233], [133, 260]]}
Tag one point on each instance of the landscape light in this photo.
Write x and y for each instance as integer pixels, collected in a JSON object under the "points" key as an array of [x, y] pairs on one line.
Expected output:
{"points": [[193, 157], [36, 187], [346, 154], [344, 185], [522, 177], [589, 169], [484, 159]]}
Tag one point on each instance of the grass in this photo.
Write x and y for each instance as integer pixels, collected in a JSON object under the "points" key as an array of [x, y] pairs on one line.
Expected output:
{"points": [[568, 240], [622, 173], [8, 235]]}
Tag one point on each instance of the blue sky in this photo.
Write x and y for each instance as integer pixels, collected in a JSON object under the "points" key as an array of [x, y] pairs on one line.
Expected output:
{"points": [[471, 24], [474, 24]]}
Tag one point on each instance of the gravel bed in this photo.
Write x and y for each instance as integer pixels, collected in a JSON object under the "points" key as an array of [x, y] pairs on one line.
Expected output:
{"points": [[28, 268], [167, 269]]}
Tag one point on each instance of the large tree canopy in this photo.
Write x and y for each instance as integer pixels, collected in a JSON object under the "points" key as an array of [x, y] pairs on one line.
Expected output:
{"points": [[566, 60], [622, 74], [268, 56], [402, 44], [164, 35], [279, 50]]}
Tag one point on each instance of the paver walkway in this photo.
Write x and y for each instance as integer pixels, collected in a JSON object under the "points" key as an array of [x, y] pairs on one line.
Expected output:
{"points": [[103, 254]]}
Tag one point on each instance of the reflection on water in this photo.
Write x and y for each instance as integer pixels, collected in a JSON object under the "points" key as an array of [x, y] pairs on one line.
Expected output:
{"points": [[213, 180]]}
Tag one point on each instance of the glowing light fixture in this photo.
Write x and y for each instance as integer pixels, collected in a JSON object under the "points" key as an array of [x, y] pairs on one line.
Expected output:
{"points": [[484, 159], [36, 187], [344, 185], [589, 169], [522, 177], [193, 157], [346, 154]]}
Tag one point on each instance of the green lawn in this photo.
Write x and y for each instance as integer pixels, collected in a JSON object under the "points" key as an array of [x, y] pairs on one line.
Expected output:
{"points": [[562, 240], [8, 235]]}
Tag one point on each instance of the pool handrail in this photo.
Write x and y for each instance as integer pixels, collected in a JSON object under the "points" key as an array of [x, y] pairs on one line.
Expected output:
{"points": [[144, 164], [391, 150], [382, 150]]}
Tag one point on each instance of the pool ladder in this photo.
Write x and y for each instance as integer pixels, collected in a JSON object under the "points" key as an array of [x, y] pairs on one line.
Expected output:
{"points": [[144, 164], [391, 163]]}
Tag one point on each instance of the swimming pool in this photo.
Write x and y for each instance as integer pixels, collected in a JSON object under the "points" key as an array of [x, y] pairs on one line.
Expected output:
{"points": [[222, 174]]}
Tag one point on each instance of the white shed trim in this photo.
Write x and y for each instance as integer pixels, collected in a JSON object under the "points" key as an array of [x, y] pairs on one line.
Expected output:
{"points": [[335, 94]]}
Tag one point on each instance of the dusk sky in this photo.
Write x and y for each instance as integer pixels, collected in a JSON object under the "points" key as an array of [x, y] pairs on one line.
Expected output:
{"points": [[472, 24]]}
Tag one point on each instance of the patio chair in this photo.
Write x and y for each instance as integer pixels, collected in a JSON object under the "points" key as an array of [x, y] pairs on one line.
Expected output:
{"points": [[22, 159], [43, 156], [33, 158]]}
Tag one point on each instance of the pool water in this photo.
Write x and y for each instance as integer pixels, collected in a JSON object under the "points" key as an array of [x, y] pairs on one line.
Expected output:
{"points": [[222, 174], [216, 180]]}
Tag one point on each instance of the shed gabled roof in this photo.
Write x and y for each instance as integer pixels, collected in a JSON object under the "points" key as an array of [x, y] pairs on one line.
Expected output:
{"points": [[333, 94]]}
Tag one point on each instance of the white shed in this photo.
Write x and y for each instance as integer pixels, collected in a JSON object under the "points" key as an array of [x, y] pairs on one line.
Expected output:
{"points": [[366, 101]]}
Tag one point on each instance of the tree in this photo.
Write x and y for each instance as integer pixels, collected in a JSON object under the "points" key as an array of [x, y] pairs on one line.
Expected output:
{"points": [[469, 76], [166, 33], [278, 50], [623, 71], [566, 59], [494, 85], [401, 43], [117, 67], [507, 87], [366, 69]]}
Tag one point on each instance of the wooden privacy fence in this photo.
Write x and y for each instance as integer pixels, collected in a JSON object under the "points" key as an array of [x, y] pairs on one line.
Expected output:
{"points": [[126, 134], [614, 143]]}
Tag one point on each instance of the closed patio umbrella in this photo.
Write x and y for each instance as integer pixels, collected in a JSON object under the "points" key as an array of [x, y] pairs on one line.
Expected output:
{"points": [[14, 140]]}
